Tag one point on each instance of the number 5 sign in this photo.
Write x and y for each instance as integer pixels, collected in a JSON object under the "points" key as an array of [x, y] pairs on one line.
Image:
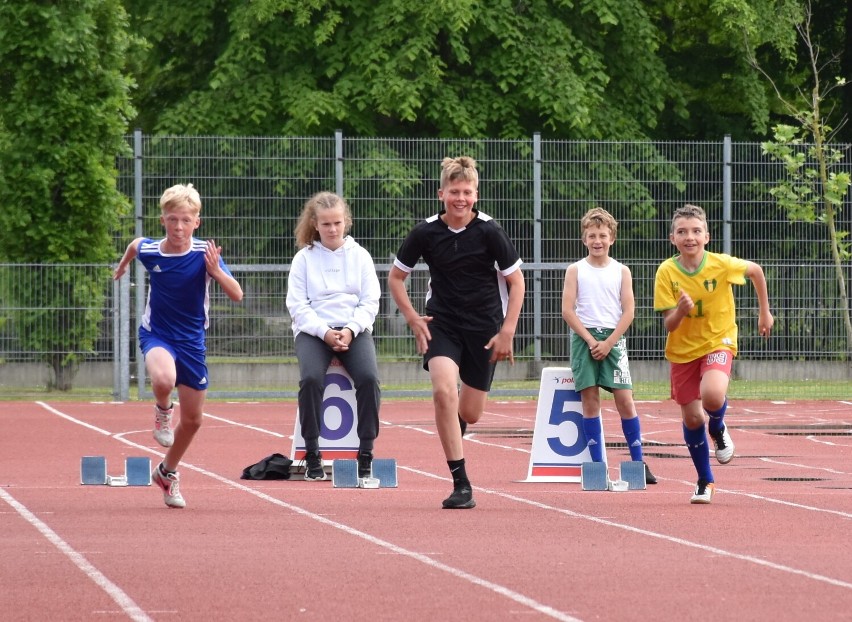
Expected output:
{"points": [[559, 443], [338, 420]]}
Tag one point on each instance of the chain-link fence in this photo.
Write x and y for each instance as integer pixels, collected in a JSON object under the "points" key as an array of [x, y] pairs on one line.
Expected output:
{"points": [[253, 190]]}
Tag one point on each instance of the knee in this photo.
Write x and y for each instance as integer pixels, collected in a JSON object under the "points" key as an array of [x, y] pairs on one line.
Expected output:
{"points": [[713, 403], [312, 382], [469, 415], [693, 421], [161, 382], [369, 382], [444, 396]]}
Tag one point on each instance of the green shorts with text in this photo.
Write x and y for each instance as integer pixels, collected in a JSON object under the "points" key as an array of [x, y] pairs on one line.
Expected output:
{"points": [[611, 373]]}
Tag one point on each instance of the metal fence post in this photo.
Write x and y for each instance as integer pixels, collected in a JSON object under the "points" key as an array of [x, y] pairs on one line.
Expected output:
{"points": [[117, 369], [124, 338], [537, 280], [338, 162], [727, 193], [140, 270]]}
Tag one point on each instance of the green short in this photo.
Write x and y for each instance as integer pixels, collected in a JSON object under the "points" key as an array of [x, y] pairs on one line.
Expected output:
{"points": [[611, 373]]}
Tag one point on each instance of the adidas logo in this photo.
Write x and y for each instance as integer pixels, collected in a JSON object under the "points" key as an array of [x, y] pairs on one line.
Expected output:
{"points": [[592, 441], [203, 381], [636, 443], [156, 268]]}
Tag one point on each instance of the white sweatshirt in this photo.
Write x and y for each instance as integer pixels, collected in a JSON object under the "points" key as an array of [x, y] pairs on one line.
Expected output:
{"points": [[333, 288]]}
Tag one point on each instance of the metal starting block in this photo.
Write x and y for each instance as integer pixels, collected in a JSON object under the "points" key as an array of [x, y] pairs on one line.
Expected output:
{"points": [[137, 472], [594, 476], [345, 474], [93, 470], [633, 472]]}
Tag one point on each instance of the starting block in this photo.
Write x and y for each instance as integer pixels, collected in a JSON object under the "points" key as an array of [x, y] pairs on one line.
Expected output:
{"points": [[594, 476], [345, 474], [633, 472], [137, 472], [93, 470]]}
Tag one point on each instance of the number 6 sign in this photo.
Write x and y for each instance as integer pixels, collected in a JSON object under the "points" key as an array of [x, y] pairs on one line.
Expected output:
{"points": [[338, 421]]}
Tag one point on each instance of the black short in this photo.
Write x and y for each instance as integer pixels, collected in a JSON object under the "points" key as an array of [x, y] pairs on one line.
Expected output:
{"points": [[467, 350]]}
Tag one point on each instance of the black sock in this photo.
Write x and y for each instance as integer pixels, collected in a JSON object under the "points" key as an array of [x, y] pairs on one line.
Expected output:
{"points": [[458, 472], [164, 470]]}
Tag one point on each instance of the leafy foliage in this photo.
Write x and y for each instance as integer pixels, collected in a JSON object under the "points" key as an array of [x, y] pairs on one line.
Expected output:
{"points": [[399, 67], [813, 190], [63, 116]]}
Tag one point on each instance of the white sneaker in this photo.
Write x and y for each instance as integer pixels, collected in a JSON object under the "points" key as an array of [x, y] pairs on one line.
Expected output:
{"points": [[724, 446], [704, 492], [163, 432], [170, 484]]}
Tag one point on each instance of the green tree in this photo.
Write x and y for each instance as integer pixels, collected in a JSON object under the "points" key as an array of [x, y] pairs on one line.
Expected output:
{"points": [[590, 69], [64, 109], [707, 56], [399, 68], [815, 186]]}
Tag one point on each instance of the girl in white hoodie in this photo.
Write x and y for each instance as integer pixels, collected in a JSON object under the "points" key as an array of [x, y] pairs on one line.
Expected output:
{"points": [[333, 298]]}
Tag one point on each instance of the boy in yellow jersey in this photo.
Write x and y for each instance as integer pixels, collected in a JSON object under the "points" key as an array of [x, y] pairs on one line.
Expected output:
{"points": [[693, 290]]}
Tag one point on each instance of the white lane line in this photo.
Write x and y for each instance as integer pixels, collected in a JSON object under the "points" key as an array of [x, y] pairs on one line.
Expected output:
{"points": [[116, 593], [652, 534], [73, 420], [243, 425], [424, 559]]}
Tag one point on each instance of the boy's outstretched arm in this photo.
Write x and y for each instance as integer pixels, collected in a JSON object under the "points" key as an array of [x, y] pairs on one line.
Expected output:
{"points": [[129, 255], [228, 283], [765, 320], [419, 324]]}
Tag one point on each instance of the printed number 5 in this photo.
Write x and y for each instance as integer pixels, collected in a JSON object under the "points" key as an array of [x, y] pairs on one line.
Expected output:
{"points": [[558, 416]]}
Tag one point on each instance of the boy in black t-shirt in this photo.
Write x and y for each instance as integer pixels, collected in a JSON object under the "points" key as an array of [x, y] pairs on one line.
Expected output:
{"points": [[475, 295]]}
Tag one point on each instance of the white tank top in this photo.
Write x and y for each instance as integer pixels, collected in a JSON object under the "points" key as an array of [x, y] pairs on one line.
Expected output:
{"points": [[599, 294]]}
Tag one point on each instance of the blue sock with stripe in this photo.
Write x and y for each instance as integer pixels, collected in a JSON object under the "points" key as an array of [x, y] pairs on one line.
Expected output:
{"points": [[699, 451], [633, 436], [594, 437], [717, 418]]}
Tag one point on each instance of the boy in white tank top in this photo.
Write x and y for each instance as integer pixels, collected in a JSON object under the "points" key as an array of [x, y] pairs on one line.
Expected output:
{"points": [[598, 305]]}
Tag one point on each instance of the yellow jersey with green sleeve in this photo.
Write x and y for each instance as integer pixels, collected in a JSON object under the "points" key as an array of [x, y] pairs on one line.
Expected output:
{"points": [[711, 325]]}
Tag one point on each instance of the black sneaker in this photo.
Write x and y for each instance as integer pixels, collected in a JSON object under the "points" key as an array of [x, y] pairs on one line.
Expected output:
{"points": [[462, 425], [461, 499], [313, 466], [649, 477], [365, 464]]}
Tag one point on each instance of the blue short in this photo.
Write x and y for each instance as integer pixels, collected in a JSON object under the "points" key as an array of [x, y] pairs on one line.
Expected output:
{"points": [[190, 361]]}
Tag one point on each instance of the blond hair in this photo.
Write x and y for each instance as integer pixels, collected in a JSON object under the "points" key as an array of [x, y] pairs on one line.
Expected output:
{"points": [[180, 195], [598, 217], [306, 229], [454, 169], [690, 211]]}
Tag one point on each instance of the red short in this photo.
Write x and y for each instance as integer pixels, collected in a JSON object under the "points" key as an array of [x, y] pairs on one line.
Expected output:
{"points": [[686, 377]]}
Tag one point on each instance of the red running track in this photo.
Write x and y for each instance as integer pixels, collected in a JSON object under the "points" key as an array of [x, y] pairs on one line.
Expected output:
{"points": [[773, 545]]}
